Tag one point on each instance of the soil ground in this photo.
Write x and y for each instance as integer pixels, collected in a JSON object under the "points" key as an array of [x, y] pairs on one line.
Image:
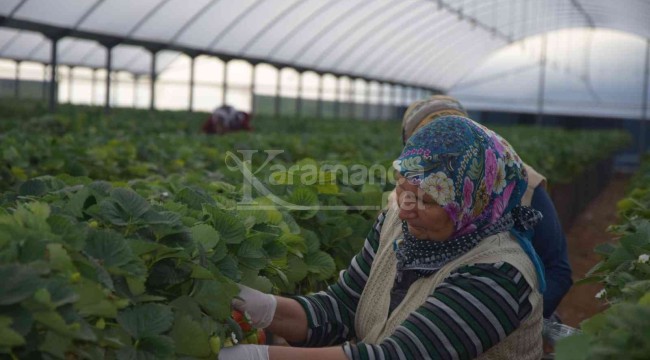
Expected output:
{"points": [[587, 231]]}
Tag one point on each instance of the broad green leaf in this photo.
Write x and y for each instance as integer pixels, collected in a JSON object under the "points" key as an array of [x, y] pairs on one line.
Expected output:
{"points": [[276, 250], [9, 337], [594, 325], [194, 198], [33, 216], [199, 272], [320, 263], [296, 269], [55, 344], [305, 202], [230, 228], [574, 347], [160, 346], [311, 241], [134, 205], [53, 320], [189, 337], [79, 202], [205, 235], [143, 321], [645, 299], [19, 282], [605, 249], [293, 241], [113, 252], [59, 258], [251, 247], [327, 189], [93, 301], [71, 232], [250, 278], [33, 187], [187, 306], [229, 267], [215, 296]]}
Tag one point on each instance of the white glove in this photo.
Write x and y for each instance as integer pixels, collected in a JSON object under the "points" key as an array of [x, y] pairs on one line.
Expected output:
{"points": [[259, 306], [245, 352]]}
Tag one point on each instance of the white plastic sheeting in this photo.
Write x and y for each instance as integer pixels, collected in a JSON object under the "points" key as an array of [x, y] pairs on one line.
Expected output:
{"points": [[591, 73], [430, 44]]}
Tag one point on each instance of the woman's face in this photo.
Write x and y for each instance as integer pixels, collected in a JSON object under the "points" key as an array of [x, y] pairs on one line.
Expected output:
{"points": [[425, 218]]}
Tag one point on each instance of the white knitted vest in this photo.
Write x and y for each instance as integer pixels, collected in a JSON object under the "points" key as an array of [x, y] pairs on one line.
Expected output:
{"points": [[372, 324]]}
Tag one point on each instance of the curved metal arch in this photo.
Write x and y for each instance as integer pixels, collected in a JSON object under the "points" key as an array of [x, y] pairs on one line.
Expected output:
{"points": [[16, 8], [421, 52], [233, 23], [146, 18], [81, 19], [581, 10], [337, 42], [407, 21], [337, 20], [10, 42], [449, 59], [451, 62], [201, 12], [297, 28], [423, 38], [459, 67], [407, 32], [272, 22]]}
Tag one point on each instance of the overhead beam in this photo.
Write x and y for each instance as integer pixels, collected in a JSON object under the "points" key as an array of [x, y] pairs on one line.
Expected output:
{"points": [[52, 31]]}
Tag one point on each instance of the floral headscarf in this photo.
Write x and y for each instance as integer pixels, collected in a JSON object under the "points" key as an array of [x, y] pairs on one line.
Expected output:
{"points": [[469, 170], [424, 111]]}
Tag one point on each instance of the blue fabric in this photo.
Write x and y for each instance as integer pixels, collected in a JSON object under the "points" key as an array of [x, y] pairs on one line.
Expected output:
{"points": [[550, 244], [524, 239]]}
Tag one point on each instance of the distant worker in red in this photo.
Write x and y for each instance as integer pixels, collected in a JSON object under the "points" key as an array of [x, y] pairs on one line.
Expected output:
{"points": [[225, 119]]}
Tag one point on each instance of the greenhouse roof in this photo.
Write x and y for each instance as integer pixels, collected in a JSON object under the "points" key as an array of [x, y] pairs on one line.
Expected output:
{"points": [[429, 44]]}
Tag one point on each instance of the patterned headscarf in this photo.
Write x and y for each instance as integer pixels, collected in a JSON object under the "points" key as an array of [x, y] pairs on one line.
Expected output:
{"points": [[477, 178], [422, 112], [473, 173]]}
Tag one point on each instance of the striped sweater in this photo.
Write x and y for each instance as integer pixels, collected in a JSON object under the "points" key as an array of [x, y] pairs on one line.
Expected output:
{"points": [[472, 310]]}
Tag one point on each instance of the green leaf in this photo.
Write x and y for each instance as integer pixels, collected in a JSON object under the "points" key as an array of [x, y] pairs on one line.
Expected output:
{"points": [[250, 278], [296, 269], [55, 344], [229, 267], [320, 263], [594, 325], [305, 201], [574, 347], [160, 346], [230, 228], [9, 337], [205, 235], [215, 296], [293, 241], [133, 205], [19, 282], [113, 252], [194, 198], [146, 320], [311, 240], [189, 337], [605, 249], [188, 306], [251, 248], [33, 187], [53, 320], [59, 258]]}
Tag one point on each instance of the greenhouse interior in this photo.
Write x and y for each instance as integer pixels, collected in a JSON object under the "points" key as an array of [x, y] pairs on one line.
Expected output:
{"points": [[324, 179]]}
